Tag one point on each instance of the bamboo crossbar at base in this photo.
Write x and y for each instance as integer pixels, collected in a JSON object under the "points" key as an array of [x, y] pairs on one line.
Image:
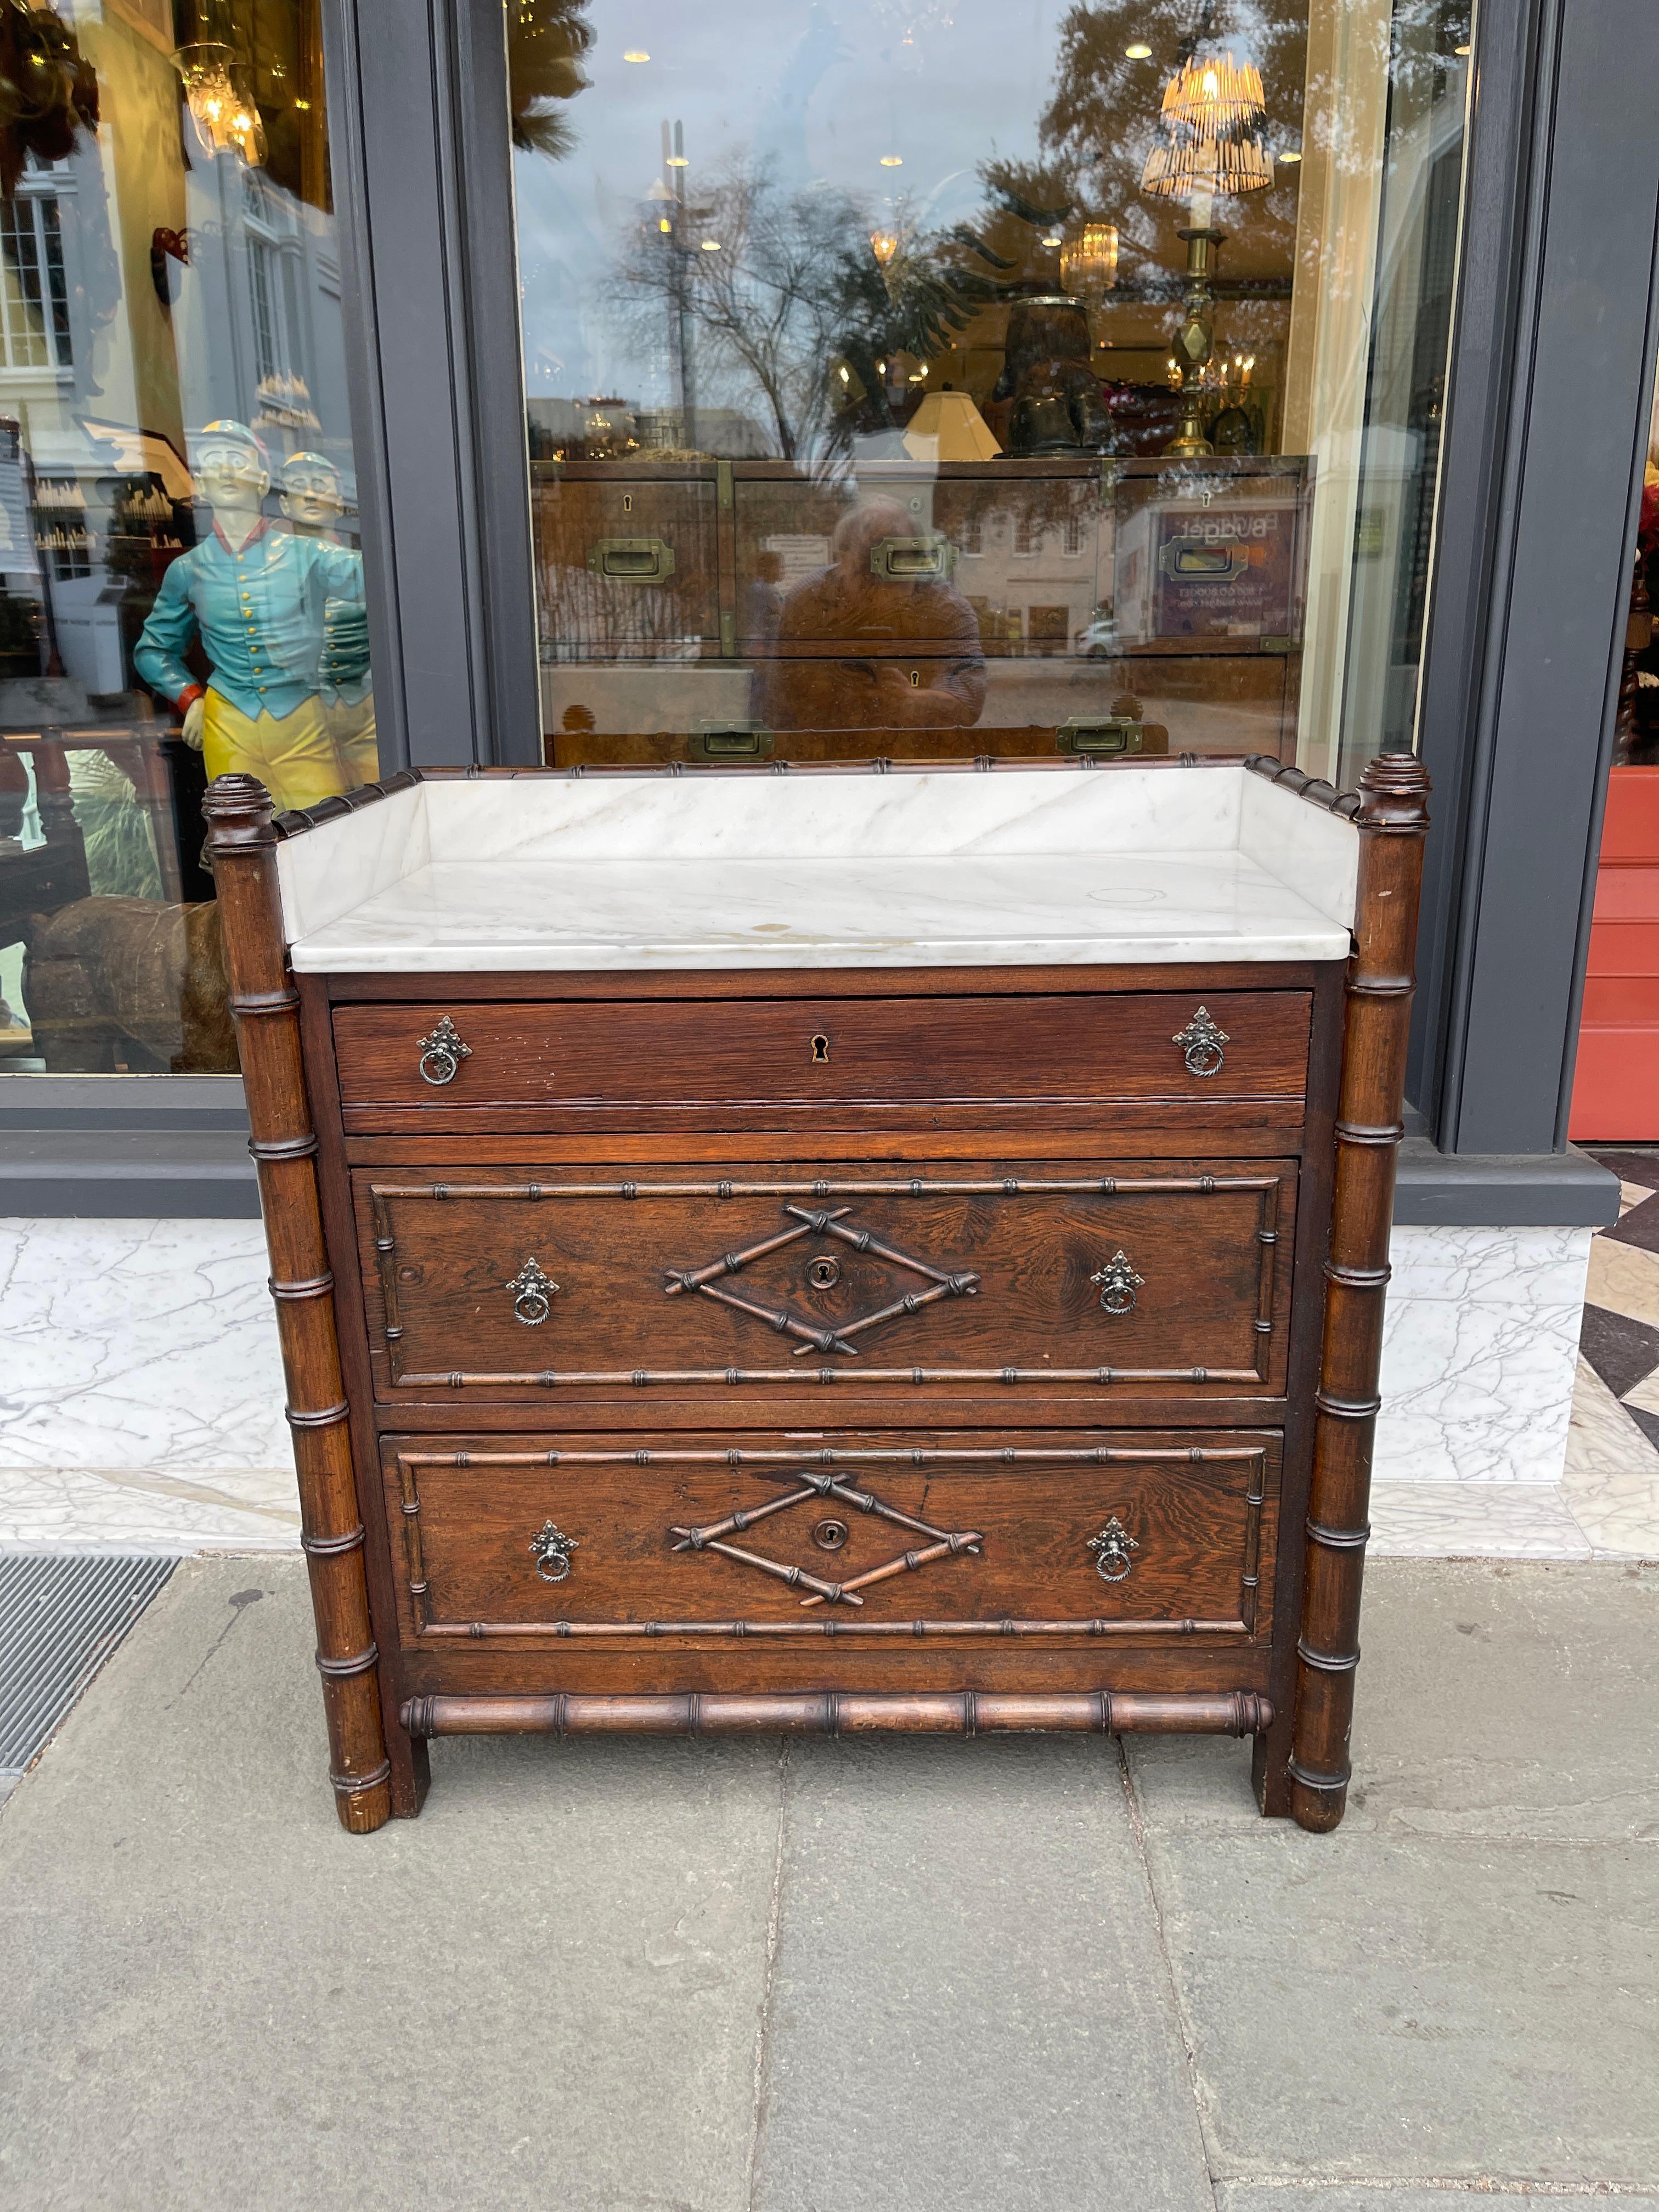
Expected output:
{"points": [[840, 1712]]}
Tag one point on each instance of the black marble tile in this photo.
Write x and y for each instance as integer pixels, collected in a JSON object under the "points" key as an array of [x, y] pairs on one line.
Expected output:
{"points": [[1622, 1352], [1648, 1423], [1639, 1226], [1640, 1168]]}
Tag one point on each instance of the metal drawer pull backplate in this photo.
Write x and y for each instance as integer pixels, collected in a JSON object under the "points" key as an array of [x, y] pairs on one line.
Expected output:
{"points": [[1118, 1284], [552, 1551], [442, 1053], [533, 1293], [1111, 1549], [1201, 1041]]}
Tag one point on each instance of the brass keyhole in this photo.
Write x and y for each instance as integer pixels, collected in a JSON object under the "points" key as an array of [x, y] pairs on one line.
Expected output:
{"points": [[628, 503], [916, 679], [823, 1274], [820, 1048], [830, 1535]]}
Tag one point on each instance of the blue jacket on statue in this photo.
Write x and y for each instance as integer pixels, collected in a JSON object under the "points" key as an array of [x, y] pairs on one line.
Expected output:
{"points": [[260, 615]]}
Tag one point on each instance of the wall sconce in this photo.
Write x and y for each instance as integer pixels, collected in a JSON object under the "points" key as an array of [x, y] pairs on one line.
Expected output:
{"points": [[223, 115]]}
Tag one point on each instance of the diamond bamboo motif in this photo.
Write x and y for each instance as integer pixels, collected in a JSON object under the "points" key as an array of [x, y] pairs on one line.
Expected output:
{"points": [[943, 1543], [941, 1284]]}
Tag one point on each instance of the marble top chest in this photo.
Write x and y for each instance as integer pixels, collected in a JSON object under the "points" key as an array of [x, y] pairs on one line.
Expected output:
{"points": [[839, 1250]]}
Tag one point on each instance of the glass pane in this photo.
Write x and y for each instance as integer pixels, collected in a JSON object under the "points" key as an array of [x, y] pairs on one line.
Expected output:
{"points": [[180, 586], [903, 382]]}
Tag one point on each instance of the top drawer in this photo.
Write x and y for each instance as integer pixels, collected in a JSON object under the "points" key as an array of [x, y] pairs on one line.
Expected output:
{"points": [[1087, 1047]]}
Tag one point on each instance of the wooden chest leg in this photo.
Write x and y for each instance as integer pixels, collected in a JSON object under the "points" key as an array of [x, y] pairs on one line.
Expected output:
{"points": [[1392, 822], [241, 846]]}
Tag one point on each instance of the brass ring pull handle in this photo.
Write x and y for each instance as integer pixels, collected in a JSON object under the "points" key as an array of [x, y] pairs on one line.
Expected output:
{"points": [[1201, 1041], [533, 1293], [1111, 1549], [442, 1053], [632, 560], [914, 560], [1118, 1283], [551, 1552]]}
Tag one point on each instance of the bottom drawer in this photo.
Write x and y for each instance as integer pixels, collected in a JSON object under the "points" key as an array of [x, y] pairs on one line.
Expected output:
{"points": [[858, 1535]]}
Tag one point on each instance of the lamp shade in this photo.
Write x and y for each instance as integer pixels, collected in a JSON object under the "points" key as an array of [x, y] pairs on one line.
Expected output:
{"points": [[1209, 139], [948, 427], [1215, 92], [1180, 165]]}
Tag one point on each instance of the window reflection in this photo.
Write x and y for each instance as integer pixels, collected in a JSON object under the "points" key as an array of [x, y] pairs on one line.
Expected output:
{"points": [[180, 584], [900, 383]]}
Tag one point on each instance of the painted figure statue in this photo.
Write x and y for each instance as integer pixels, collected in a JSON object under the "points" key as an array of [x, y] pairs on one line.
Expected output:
{"points": [[313, 501], [257, 596]]}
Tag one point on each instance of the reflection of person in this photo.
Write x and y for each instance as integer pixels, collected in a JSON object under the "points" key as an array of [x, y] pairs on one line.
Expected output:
{"points": [[255, 596], [938, 685], [312, 501]]}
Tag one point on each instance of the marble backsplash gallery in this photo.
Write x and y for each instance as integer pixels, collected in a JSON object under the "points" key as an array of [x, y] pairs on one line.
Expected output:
{"points": [[139, 1405]]}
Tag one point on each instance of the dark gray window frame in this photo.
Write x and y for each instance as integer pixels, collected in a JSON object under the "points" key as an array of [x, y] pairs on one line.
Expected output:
{"points": [[1526, 626]]}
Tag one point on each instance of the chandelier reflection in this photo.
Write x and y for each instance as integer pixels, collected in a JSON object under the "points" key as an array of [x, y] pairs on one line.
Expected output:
{"points": [[1088, 262]]}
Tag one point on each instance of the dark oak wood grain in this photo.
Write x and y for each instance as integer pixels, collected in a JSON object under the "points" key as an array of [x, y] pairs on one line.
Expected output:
{"points": [[817, 1053], [962, 1539], [739, 1277]]}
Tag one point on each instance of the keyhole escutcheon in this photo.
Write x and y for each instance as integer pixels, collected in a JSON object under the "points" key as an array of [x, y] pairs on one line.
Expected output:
{"points": [[820, 1048], [916, 679], [628, 503]]}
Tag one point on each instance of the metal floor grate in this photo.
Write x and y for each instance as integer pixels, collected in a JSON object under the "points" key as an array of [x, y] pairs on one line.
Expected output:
{"points": [[61, 1616]]}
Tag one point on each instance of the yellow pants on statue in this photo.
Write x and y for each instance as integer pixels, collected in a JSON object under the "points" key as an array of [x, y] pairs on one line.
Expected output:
{"points": [[352, 729], [294, 755]]}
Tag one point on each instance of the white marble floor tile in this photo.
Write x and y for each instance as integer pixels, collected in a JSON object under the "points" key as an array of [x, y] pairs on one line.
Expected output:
{"points": [[1611, 1477], [1631, 1193], [1646, 1393], [217, 1510], [1473, 1520], [133, 1345], [1624, 1278]]}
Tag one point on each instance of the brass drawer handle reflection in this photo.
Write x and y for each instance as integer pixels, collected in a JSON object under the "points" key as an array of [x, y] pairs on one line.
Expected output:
{"points": [[1118, 1283], [1201, 1041], [1107, 734], [632, 560], [442, 1053], [1111, 1549], [533, 1293], [551, 1552], [914, 560]]}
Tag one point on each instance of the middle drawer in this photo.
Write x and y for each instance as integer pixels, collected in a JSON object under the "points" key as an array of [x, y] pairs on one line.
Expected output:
{"points": [[1158, 1275]]}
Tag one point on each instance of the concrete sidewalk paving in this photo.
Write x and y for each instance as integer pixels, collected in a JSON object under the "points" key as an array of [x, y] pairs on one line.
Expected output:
{"points": [[738, 1977]]}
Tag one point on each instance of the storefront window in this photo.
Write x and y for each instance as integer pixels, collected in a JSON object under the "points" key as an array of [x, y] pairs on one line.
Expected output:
{"points": [[180, 587], [905, 382]]}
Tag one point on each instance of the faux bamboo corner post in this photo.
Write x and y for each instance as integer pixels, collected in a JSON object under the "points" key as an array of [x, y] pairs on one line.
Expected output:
{"points": [[242, 848], [1392, 821]]}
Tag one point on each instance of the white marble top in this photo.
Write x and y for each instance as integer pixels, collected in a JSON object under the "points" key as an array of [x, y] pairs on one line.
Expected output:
{"points": [[1119, 866]]}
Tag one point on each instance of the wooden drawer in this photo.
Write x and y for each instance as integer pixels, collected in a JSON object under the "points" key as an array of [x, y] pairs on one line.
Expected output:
{"points": [[805, 1053], [630, 561], [1076, 1273], [869, 1537]]}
